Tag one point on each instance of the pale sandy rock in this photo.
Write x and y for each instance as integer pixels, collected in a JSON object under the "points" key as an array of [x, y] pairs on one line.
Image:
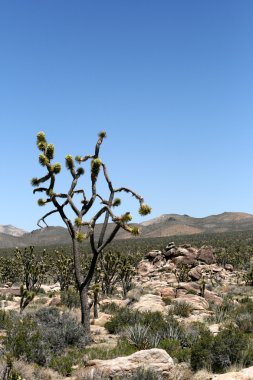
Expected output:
{"points": [[155, 359], [248, 372], [190, 259], [212, 297], [196, 302], [101, 320], [150, 302], [215, 328], [232, 376], [167, 293], [144, 267]]}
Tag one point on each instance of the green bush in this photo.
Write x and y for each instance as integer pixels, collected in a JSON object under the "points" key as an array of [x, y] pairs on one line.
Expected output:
{"points": [[175, 350], [201, 352], [24, 340], [70, 298], [42, 335], [183, 309]]}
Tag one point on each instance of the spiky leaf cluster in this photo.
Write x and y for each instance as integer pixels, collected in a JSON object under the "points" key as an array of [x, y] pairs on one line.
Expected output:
{"points": [[50, 151], [69, 162], [78, 159], [41, 141], [144, 209], [116, 202], [80, 237], [135, 231], [43, 160], [34, 181], [56, 168], [95, 166], [80, 171], [42, 202], [125, 218], [102, 134], [78, 222]]}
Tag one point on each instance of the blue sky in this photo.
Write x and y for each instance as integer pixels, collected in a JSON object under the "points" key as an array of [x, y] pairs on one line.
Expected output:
{"points": [[170, 81]]}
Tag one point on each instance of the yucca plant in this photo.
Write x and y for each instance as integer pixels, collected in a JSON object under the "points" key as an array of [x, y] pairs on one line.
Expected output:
{"points": [[83, 228]]}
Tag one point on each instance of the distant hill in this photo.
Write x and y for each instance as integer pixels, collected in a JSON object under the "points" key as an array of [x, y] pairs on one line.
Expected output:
{"points": [[164, 225], [11, 230]]}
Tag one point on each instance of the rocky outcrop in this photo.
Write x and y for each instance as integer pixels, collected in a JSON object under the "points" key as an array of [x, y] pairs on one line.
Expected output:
{"points": [[244, 374], [155, 359], [150, 302]]}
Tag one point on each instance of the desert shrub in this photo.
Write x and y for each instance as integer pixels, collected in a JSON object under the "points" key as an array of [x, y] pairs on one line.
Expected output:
{"points": [[201, 351], [59, 330], [4, 318], [229, 347], [175, 350], [123, 317], [123, 348], [24, 340], [109, 308], [183, 309], [62, 364], [70, 298], [42, 335], [244, 321]]}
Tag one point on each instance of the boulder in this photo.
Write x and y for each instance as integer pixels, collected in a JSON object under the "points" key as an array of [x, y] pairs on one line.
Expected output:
{"points": [[245, 374], [213, 298], [167, 293], [190, 260], [206, 254], [196, 302], [195, 273], [144, 267], [152, 254], [150, 302], [170, 246], [229, 267], [155, 359]]}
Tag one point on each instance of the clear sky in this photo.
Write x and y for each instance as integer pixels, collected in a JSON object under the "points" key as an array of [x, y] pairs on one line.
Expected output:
{"points": [[170, 81]]}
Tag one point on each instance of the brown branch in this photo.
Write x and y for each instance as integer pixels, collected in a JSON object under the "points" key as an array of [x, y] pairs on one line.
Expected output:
{"points": [[44, 217]]}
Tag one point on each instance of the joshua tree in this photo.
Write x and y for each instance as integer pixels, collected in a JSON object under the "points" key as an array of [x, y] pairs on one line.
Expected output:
{"points": [[82, 228]]}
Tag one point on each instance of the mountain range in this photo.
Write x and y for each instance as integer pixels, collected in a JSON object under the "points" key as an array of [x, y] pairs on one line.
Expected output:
{"points": [[164, 225]]}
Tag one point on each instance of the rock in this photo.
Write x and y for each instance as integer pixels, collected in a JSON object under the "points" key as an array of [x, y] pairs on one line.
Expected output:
{"points": [[241, 375], [150, 302], [55, 301], [167, 293], [101, 320], [182, 251], [213, 298], [229, 267], [190, 260], [170, 246], [152, 254], [170, 253], [195, 273], [206, 254], [10, 291], [196, 302], [155, 359], [144, 267], [215, 328]]}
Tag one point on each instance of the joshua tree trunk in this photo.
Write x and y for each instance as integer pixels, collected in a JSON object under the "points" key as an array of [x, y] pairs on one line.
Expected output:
{"points": [[85, 312]]}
